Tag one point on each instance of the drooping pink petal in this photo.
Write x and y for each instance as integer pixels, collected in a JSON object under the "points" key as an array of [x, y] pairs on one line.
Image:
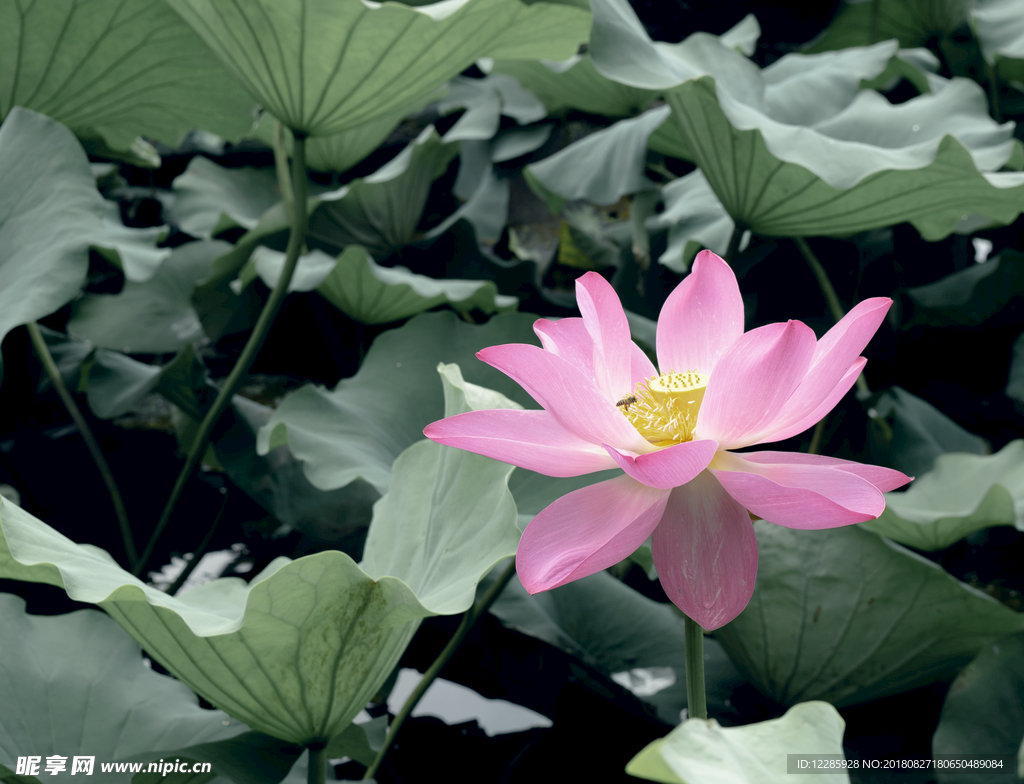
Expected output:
{"points": [[752, 382], [569, 339], [606, 322], [569, 396], [705, 552], [772, 433], [884, 479], [529, 439], [669, 467], [810, 493], [701, 318], [834, 355], [586, 531]]}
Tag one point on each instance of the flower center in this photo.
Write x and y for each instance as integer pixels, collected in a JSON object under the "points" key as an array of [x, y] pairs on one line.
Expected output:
{"points": [[664, 408]]}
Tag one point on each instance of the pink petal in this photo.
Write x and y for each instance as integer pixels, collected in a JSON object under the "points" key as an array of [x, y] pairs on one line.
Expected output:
{"points": [[606, 322], [529, 439], [834, 355], [562, 389], [569, 339], [705, 552], [669, 467], [752, 382], [701, 318], [884, 479], [586, 531], [772, 433], [808, 493]]}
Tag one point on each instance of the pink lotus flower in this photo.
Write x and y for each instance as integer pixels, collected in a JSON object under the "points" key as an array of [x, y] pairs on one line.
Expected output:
{"points": [[605, 405]]}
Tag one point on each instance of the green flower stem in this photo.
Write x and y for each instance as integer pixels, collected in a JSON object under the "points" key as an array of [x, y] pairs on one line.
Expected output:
{"points": [[197, 556], [885, 432], [830, 295], [90, 442], [317, 763], [468, 621], [696, 699], [252, 347]]}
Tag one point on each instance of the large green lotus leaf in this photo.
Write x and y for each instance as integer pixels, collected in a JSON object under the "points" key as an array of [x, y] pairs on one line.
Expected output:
{"points": [[76, 685], [960, 495], [821, 594], [597, 620], [209, 199], [372, 294], [298, 652], [50, 215], [981, 294], [999, 27], [358, 429], [322, 67], [703, 752], [603, 166], [983, 715], [921, 433], [912, 22], [381, 211], [799, 149], [153, 317], [119, 69]]}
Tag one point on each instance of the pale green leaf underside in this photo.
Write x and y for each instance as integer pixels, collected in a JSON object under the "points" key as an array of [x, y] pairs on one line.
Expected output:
{"points": [[798, 148], [703, 751], [983, 714], [777, 198], [322, 67], [76, 685], [298, 652], [821, 594], [116, 68], [963, 493]]}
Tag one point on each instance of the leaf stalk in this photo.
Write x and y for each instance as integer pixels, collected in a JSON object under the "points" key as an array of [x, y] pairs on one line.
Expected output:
{"points": [[468, 622], [39, 344], [252, 346]]}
